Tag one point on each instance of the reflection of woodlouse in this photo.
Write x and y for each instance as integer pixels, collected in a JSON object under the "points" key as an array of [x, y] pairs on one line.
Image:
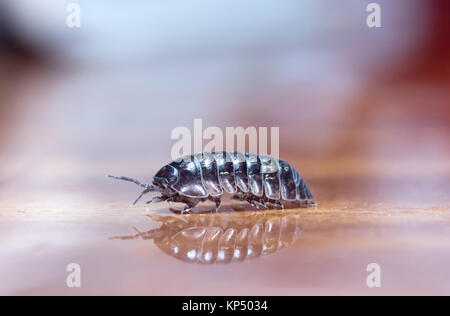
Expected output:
{"points": [[261, 180], [205, 239]]}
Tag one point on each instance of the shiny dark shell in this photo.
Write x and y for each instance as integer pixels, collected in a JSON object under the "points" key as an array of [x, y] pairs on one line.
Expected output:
{"points": [[211, 174], [261, 180]]}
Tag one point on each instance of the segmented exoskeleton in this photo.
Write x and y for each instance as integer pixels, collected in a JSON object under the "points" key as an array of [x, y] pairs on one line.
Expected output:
{"points": [[261, 180]]}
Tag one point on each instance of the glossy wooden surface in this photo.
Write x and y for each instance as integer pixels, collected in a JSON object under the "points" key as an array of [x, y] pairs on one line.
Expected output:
{"points": [[398, 219]]}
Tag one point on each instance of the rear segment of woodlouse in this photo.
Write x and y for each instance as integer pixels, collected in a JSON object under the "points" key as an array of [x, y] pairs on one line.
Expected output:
{"points": [[261, 180]]}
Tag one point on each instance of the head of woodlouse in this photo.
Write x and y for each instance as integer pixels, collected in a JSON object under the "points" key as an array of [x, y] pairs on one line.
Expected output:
{"points": [[165, 177], [208, 239]]}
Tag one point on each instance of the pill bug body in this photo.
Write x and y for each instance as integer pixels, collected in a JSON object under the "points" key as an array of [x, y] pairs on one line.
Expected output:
{"points": [[261, 180], [209, 239]]}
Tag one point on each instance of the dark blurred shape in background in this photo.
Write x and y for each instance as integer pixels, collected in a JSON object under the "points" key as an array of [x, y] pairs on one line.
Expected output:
{"points": [[16, 57], [431, 60]]}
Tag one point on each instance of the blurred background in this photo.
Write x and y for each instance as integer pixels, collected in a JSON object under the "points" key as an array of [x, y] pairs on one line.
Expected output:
{"points": [[77, 103], [364, 115]]}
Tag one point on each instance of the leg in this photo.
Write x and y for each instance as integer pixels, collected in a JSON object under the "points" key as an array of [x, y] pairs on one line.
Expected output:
{"points": [[142, 194], [190, 205], [155, 199], [250, 198], [253, 202], [217, 200], [239, 196], [264, 203], [190, 202], [175, 199], [275, 204]]}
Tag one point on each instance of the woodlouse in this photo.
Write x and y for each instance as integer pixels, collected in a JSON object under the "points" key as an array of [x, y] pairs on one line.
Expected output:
{"points": [[261, 180]]}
